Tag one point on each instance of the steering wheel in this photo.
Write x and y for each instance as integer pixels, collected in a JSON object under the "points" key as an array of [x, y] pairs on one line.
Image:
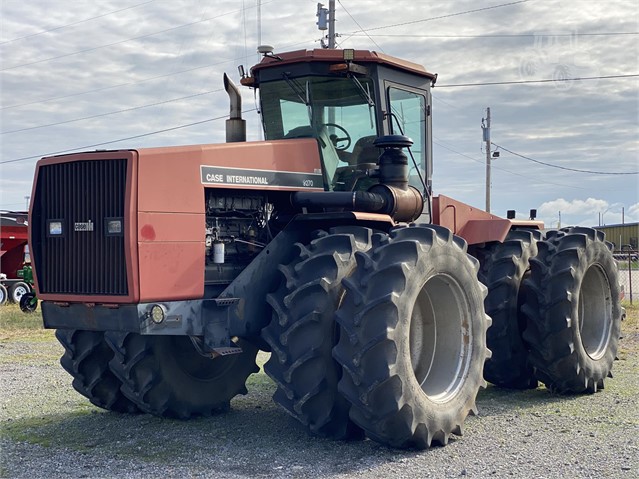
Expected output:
{"points": [[337, 139]]}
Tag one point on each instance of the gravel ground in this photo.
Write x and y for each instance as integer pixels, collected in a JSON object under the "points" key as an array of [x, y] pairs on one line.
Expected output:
{"points": [[50, 431]]}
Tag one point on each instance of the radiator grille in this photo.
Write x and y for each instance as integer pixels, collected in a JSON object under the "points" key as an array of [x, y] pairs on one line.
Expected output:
{"points": [[81, 262]]}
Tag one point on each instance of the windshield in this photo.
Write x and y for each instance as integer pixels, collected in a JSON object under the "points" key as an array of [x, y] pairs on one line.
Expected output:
{"points": [[337, 111]]}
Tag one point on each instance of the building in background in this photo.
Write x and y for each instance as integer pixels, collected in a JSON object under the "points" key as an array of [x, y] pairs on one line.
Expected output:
{"points": [[623, 236]]}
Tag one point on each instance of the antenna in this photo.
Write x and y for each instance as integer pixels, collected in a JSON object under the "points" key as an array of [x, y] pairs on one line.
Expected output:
{"points": [[259, 23]]}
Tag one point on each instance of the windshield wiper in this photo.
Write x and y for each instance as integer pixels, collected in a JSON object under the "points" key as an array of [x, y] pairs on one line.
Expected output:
{"points": [[366, 95], [363, 91], [296, 88]]}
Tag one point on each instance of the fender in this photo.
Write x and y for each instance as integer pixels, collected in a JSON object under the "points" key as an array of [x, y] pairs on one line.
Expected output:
{"points": [[474, 225]]}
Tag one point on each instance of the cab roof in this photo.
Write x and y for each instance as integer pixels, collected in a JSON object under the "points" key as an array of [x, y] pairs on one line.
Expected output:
{"points": [[337, 56]]}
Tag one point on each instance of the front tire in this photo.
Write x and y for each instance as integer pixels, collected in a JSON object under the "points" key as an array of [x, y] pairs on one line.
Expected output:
{"points": [[573, 311], [86, 358], [413, 337], [303, 331], [166, 376]]}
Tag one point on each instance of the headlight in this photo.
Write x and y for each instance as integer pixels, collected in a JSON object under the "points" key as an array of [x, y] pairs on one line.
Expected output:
{"points": [[113, 226], [55, 228], [158, 313]]}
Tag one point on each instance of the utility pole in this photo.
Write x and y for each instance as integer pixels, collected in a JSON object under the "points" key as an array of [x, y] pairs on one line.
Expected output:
{"points": [[326, 21], [485, 126], [331, 24]]}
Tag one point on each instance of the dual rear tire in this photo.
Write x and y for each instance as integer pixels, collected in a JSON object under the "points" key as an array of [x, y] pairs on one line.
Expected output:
{"points": [[412, 341], [86, 358], [303, 331], [573, 311], [402, 358], [555, 309], [160, 375], [503, 268], [166, 376]]}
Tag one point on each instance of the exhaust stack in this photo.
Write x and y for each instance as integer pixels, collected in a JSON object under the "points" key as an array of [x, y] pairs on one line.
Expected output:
{"points": [[235, 125]]}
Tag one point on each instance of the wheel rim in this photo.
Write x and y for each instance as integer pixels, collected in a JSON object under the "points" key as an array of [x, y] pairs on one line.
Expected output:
{"points": [[595, 312], [18, 293], [440, 331]]}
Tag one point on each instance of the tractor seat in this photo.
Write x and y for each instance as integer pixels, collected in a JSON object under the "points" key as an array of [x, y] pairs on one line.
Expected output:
{"points": [[364, 151]]}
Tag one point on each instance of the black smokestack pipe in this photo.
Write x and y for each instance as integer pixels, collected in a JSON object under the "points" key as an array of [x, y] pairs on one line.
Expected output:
{"points": [[235, 125]]}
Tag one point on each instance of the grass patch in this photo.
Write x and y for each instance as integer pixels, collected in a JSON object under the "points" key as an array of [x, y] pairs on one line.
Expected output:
{"points": [[45, 431], [631, 308], [18, 326], [12, 318], [629, 344]]}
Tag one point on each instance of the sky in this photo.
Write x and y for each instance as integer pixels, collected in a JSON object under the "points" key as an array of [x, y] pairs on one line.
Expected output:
{"points": [[141, 73]]}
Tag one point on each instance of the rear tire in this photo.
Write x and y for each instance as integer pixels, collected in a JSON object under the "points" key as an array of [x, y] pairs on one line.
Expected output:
{"points": [[86, 358], [4, 295], [17, 290], [413, 337], [503, 267], [166, 376], [573, 311], [303, 332]]}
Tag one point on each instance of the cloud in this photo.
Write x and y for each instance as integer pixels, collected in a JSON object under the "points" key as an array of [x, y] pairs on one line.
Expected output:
{"points": [[632, 214], [574, 207], [161, 50], [589, 212]]}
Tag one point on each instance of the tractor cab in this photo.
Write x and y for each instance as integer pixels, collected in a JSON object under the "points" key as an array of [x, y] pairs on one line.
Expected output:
{"points": [[346, 99]]}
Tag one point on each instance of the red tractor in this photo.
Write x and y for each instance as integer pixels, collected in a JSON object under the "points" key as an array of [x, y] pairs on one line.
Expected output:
{"points": [[165, 270]]}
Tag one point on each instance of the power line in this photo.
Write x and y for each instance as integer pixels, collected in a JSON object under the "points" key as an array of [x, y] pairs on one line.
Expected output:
{"points": [[566, 168], [357, 23], [528, 177], [75, 23], [111, 112], [546, 80], [122, 41], [107, 45], [495, 35], [117, 86], [132, 83], [443, 16], [121, 139]]}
